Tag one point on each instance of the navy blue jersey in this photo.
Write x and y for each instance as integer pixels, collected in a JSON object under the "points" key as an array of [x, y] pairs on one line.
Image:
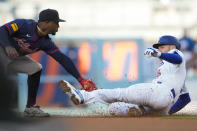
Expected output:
{"points": [[22, 34]]}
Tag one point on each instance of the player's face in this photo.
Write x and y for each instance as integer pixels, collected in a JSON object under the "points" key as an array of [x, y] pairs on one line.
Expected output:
{"points": [[52, 27], [164, 48]]}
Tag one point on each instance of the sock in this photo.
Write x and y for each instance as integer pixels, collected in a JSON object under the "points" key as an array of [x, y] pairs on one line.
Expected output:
{"points": [[33, 82]]}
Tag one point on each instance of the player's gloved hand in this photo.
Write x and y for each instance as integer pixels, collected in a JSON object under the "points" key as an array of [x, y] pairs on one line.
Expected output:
{"points": [[87, 84], [11, 51], [152, 52]]}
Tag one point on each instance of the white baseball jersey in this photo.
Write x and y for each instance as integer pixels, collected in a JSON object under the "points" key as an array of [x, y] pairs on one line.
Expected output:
{"points": [[172, 75]]}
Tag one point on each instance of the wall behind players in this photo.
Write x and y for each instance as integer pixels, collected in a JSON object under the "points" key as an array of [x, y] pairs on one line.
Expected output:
{"points": [[111, 63]]}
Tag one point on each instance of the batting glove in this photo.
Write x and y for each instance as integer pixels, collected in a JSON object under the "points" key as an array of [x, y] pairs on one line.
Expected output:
{"points": [[87, 84], [152, 52]]}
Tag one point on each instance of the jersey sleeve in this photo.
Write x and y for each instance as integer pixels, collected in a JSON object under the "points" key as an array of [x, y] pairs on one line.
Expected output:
{"points": [[8, 29], [49, 47], [67, 63], [182, 101], [173, 57], [14, 26]]}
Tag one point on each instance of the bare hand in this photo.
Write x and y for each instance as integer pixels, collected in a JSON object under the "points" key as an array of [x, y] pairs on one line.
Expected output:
{"points": [[11, 51]]}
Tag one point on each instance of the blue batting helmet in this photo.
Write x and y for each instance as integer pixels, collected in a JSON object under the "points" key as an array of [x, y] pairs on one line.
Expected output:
{"points": [[167, 40]]}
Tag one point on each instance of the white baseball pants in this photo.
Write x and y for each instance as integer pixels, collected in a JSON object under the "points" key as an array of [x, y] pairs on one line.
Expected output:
{"points": [[148, 94]]}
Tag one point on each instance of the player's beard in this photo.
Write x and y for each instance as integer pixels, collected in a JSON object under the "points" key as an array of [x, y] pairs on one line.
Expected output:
{"points": [[54, 32]]}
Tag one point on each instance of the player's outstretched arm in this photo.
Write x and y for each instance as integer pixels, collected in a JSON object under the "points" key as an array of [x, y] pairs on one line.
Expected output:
{"points": [[69, 66], [173, 58], [51, 49]]}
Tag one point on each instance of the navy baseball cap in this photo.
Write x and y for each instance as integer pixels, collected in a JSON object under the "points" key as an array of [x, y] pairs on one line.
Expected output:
{"points": [[167, 40], [49, 15]]}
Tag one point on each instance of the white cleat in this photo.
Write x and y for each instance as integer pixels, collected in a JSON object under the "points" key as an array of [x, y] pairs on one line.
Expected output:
{"points": [[74, 94]]}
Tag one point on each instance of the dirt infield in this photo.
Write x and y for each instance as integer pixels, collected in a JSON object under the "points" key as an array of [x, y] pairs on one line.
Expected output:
{"points": [[78, 119], [133, 124], [173, 123], [62, 123]]}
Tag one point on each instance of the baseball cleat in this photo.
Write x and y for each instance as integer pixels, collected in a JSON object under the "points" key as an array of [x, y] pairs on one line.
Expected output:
{"points": [[35, 111], [74, 94]]}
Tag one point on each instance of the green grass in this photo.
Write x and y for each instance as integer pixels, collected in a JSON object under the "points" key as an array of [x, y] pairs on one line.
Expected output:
{"points": [[180, 117]]}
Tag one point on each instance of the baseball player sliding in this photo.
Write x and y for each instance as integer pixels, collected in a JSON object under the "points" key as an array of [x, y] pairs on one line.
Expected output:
{"points": [[157, 97]]}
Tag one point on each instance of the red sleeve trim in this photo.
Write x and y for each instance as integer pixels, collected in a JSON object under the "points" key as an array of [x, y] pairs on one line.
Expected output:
{"points": [[10, 32], [34, 27], [53, 51]]}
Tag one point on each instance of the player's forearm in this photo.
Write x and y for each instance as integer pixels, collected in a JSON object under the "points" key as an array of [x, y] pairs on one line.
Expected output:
{"points": [[4, 36], [172, 58], [182, 101], [67, 63]]}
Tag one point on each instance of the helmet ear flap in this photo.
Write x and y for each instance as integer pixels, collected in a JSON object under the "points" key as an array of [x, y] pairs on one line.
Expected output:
{"points": [[178, 46]]}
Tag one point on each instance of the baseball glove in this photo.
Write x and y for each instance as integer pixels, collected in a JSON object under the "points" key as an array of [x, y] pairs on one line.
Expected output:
{"points": [[87, 84]]}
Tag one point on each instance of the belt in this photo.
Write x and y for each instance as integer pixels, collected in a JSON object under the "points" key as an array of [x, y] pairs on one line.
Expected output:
{"points": [[173, 92], [159, 82]]}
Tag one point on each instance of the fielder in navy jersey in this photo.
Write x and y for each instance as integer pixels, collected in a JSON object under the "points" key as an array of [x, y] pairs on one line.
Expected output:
{"points": [[24, 36]]}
